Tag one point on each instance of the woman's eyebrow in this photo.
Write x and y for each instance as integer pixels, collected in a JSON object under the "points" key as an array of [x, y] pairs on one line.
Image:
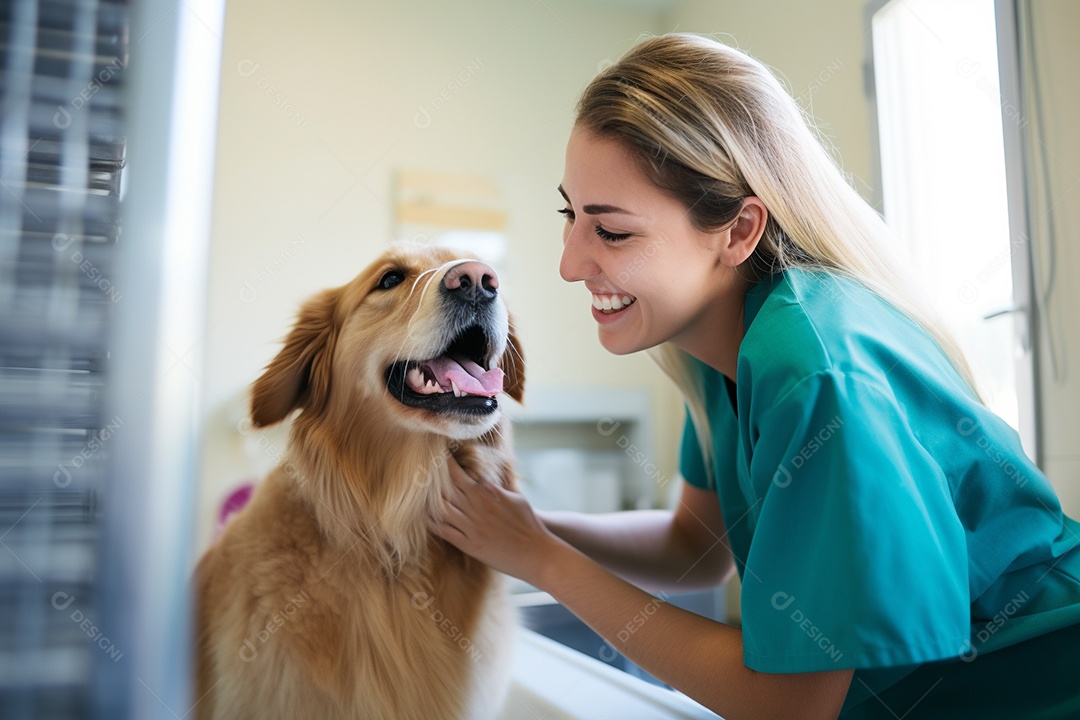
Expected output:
{"points": [[597, 209]]}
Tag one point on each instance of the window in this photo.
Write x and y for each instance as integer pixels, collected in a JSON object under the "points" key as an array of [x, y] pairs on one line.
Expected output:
{"points": [[942, 125]]}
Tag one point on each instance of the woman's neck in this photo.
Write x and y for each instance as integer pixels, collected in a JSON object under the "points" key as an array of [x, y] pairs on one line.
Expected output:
{"points": [[715, 338]]}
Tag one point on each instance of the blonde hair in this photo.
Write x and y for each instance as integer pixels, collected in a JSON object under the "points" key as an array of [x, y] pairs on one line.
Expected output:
{"points": [[710, 125]]}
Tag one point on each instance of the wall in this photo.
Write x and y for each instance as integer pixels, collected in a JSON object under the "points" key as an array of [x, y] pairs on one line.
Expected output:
{"points": [[817, 49], [321, 103], [318, 109], [1054, 162]]}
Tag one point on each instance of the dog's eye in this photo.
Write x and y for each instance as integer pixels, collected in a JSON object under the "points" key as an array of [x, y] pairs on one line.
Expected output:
{"points": [[390, 279]]}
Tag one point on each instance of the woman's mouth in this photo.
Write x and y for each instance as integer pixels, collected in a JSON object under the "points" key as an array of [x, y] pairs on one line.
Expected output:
{"points": [[610, 304]]}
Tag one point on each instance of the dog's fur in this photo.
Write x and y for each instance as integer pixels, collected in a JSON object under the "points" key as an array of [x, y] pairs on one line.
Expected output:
{"points": [[329, 596]]}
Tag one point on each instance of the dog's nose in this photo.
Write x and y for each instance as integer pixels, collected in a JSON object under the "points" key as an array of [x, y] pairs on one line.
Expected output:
{"points": [[472, 282]]}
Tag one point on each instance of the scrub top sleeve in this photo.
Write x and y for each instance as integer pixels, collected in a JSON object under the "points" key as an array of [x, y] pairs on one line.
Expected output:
{"points": [[691, 462], [858, 559]]}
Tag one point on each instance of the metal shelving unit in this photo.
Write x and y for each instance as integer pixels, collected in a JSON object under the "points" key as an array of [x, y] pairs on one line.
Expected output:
{"points": [[97, 96]]}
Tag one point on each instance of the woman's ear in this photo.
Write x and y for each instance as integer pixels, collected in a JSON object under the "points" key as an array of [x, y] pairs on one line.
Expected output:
{"points": [[300, 374], [740, 238], [512, 363]]}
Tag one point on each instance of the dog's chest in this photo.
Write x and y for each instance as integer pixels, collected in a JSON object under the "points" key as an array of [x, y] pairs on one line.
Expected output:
{"points": [[415, 642]]}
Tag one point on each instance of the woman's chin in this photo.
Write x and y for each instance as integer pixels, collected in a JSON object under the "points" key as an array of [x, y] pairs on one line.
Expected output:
{"points": [[616, 344]]}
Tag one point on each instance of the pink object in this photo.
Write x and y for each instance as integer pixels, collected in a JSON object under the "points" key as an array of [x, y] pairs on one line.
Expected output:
{"points": [[469, 377], [235, 502]]}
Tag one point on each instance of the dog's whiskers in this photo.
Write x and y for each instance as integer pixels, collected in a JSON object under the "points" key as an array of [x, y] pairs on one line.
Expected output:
{"points": [[514, 351], [419, 303], [417, 280], [434, 271]]}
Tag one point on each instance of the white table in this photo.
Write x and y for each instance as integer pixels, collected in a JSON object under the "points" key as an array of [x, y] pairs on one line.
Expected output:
{"points": [[554, 682]]}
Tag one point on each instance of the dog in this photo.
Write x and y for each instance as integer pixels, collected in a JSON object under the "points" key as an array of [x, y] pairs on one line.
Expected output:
{"points": [[329, 595]]}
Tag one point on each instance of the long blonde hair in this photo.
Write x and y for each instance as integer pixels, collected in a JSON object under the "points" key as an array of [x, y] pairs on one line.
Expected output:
{"points": [[710, 125]]}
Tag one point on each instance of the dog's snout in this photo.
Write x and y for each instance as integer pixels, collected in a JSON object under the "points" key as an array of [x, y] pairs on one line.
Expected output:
{"points": [[472, 282]]}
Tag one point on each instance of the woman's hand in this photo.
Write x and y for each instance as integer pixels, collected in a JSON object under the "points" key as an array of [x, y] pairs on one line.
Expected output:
{"points": [[496, 526], [700, 657]]}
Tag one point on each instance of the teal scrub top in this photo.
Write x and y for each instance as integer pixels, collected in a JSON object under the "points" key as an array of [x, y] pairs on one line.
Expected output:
{"points": [[882, 518]]}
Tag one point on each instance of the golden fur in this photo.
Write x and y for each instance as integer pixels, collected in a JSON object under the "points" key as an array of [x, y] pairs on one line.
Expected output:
{"points": [[328, 596]]}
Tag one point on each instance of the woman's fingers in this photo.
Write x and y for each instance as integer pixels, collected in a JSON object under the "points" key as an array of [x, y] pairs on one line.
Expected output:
{"points": [[459, 507], [452, 525], [494, 525], [451, 534], [458, 475], [455, 526], [487, 522]]}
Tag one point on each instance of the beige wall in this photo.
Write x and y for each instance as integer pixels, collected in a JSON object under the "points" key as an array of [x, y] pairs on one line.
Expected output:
{"points": [[317, 112], [1054, 153], [816, 48]]}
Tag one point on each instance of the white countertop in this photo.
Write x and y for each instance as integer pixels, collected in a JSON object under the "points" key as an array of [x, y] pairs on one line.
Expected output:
{"points": [[554, 682]]}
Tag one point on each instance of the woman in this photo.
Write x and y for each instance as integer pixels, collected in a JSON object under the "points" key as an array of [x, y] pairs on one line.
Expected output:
{"points": [[900, 556]]}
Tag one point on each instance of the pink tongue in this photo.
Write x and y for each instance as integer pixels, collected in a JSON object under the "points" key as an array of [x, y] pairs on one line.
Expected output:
{"points": [[469, 377]]}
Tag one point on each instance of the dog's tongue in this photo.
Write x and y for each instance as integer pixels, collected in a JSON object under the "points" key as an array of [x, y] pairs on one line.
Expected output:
{"points": [[470, 378]]}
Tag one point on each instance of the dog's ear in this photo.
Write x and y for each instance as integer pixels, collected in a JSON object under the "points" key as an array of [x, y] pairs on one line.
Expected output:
{"points": [[300, 374], [512, 363]]}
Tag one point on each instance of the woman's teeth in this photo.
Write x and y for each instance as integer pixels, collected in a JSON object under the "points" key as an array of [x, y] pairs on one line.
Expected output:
{"points": [[612, 303]]}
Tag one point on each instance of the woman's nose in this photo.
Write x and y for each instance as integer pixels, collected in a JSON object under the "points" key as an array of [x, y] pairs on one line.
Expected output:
{"points": [[576, 264]]}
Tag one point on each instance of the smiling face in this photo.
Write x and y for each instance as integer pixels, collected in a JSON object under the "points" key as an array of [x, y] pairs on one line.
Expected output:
{"points": [[653, 276], [420, 339], [433, 326]]}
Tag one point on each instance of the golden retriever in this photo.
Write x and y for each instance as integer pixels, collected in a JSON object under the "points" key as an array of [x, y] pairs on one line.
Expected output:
{"points": [[329, 596]]}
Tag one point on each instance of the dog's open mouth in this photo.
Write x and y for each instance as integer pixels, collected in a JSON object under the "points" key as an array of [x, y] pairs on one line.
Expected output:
{"points": [[454, 381]]}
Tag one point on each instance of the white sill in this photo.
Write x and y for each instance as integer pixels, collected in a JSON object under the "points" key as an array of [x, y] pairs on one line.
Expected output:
{"points": [[554, 682]]}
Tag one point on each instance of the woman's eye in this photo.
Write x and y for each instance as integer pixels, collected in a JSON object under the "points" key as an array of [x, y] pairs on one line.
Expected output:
{"points": [[601, 232], [390, 279], [610, 236]]}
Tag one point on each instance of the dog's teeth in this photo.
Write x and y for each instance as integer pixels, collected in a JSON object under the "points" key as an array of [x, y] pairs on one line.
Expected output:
{"points": [[457, 390], [616, 303]]}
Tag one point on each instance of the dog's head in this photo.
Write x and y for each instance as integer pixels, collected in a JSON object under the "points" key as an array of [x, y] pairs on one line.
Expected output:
{"points": [[421, 338]]}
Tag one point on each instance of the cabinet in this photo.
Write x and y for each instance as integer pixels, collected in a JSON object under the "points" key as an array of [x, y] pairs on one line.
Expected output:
{"points": [[588, 448]]}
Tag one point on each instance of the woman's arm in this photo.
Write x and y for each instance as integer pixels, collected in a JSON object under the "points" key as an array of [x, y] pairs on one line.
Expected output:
{"points": [[674, 551], [699, 657]]}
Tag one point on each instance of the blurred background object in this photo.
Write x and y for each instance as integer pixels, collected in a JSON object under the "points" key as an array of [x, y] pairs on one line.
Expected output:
{"points": [[106, 147], [62, 152]]}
